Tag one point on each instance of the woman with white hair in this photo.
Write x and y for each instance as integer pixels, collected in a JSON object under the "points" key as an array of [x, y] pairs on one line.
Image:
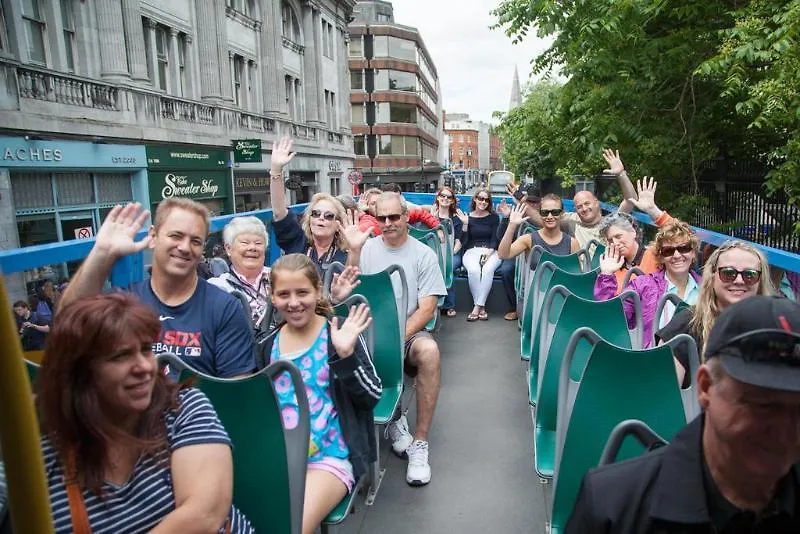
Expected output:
{"points": [[619, 229], [246, 242]]}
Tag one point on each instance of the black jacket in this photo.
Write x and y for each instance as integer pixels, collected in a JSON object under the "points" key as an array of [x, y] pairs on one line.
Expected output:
{"points": [[356, 390], [662, 492]]}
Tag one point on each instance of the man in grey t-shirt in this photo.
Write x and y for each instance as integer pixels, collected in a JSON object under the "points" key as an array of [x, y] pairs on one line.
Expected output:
{"points": [[425, 286]]}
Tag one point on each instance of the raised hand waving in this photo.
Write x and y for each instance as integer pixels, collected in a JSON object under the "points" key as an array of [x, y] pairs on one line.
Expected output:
{"points": [[344, 337], [117, 234]]}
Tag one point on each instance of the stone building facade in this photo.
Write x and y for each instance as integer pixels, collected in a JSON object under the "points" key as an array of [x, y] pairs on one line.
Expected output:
{"points": [[108, 101]]}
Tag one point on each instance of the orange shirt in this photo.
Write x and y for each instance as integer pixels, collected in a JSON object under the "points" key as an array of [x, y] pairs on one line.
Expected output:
{"points": [[647, 265]]}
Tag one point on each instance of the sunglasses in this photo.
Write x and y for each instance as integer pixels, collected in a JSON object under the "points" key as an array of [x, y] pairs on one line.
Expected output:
{"points": [[669, 250], [445, 195], [482, 199], [393, 217], [729, 274], [327, 215], [554, 212]]}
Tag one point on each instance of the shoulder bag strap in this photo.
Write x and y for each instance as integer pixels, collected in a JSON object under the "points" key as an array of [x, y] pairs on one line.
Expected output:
{"points": [[77, 507]]}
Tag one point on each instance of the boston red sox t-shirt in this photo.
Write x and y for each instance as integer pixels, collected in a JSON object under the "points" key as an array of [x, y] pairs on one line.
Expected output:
{"points": [[209, 331]]}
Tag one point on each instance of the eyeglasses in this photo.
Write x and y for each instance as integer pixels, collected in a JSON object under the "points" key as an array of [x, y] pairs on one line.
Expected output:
{"points": [[554, 212], [392, 217], [445, 195], [327, 215], [729, 274], [669, 250], [482, 199]]}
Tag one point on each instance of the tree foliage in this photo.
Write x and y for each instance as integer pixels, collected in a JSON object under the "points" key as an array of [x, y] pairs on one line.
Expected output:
{"points": [[672, 84]]}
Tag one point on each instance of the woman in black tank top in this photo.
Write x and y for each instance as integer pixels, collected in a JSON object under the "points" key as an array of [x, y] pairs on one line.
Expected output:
{"points": [[550, 237]]}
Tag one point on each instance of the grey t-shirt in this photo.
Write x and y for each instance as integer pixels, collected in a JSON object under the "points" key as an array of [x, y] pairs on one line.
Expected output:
{"points": [[419, 263]]}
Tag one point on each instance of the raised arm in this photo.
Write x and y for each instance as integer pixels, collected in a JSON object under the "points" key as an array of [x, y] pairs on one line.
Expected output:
{"points": [[616, 168], [509, 247], [281, 155], [646, 202], [114, 240]]}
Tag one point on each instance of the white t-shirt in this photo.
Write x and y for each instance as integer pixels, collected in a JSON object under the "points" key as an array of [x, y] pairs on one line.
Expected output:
{"points": [[419, 263]]}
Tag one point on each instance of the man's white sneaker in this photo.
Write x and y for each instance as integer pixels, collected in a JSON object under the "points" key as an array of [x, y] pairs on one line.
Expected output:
{"points": [[397, 431], [419, 471]]}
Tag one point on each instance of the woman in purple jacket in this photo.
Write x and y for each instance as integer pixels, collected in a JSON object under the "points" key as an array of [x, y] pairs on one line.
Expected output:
{"points": [[676, 248]]}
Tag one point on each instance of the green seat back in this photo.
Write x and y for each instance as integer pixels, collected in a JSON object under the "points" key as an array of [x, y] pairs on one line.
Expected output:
{"points": [[519, 278], [269, 461], [33, 370], [447, 251], [595, 249], [431, 239], [570, 263], [607, 318], [615, 384], [388, 344]]}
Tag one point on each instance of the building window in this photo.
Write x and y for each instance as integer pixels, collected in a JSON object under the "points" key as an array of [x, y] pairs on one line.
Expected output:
{"points": [[357, 80], [290, 26], [3, 32], [334, 185], [162, 56], [355, 48], [357, 114], [68, 28], [330, 109], [383, 17], [327, 39], [396, 112], [395, 80], [182, 63], [387, 46], [293, 98], [398, 145], [359, 145], [34, 22], [237, 74]]}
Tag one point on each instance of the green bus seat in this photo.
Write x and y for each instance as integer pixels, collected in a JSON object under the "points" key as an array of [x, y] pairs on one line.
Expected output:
{"points": [[549, 275], [676, 301], [269, 460], [572, 263], [388, 353], [596, 392], [607, 318], [431, 239], [33, 370], [645, 435], [595, 250]]}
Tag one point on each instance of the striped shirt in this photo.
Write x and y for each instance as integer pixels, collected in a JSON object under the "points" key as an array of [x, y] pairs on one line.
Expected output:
{"points": [[147, 497]]}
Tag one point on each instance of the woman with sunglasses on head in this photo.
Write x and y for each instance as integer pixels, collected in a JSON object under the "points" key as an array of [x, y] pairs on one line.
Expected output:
{"points": [[733, 272], [322, 234], [675, 247], [620, 230], [549, 237], [480, 256], [445, 206]]}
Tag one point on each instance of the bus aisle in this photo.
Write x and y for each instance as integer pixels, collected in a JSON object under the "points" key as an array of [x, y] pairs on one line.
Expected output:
{"points": [[481, 445]]}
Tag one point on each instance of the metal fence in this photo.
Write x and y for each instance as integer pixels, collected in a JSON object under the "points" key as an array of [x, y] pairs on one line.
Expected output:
{"points": [[744, 210]]}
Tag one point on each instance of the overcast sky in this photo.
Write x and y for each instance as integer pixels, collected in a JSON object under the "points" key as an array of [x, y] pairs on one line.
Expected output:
{"points": [[475, 64]]}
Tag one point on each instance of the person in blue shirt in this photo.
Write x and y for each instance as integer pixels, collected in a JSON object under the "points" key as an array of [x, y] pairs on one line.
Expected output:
{"points": [[200, 323]]}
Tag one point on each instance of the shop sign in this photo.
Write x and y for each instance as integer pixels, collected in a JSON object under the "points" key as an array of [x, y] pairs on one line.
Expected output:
{"points": [[20, 152], [250, 184], [247, 150], [181, 157], [188, 184]]}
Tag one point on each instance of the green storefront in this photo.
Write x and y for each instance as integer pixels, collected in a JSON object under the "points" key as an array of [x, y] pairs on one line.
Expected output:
{"points": [[193, 172]]}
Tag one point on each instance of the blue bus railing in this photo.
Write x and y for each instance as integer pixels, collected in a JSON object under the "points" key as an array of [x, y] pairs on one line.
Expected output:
{"points": [[132, 268]]}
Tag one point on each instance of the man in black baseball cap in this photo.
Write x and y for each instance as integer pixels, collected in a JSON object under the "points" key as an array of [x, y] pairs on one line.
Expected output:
{"points": [[732, 469]]}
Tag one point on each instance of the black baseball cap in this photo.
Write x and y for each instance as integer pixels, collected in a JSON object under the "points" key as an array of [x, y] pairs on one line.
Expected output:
{"points": [[758, 342]]}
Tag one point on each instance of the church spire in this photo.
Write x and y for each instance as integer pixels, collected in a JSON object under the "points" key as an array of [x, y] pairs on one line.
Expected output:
{"points": [[515, 91]]}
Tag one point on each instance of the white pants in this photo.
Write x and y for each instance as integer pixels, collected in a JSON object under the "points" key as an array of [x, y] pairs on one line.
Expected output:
{"points": [[480, 280]]}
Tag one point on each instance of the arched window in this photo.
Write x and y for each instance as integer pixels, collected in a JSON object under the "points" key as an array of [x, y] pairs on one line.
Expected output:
{"points": [[291, 28]]}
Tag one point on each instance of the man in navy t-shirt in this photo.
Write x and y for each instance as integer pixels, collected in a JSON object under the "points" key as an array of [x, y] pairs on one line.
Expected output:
{"points": [[203, 325]]}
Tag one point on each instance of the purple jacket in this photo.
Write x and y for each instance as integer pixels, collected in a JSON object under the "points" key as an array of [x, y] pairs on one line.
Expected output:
{"points": [[650, 287]]}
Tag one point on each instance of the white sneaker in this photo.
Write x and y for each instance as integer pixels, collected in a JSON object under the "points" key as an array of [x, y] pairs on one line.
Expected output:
{"points": [[419, 471], [397, 431]]}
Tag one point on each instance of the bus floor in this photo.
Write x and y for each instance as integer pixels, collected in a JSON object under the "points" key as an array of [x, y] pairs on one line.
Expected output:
{"points": [[481, 454]]}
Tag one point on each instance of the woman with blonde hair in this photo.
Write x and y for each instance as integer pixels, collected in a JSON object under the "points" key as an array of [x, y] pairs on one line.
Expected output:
{"points": [[735, 271], [321, 234], [675, 248]]}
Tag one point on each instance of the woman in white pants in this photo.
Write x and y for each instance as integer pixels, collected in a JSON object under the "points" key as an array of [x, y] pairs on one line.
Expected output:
{"points": [[479, 236]]}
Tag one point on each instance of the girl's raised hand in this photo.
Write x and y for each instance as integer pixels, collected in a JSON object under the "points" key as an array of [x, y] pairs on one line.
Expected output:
{"points": [[344, 337]]}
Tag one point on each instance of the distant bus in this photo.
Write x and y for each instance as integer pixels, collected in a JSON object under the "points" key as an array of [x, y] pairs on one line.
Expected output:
{"points": [[498, 180]]}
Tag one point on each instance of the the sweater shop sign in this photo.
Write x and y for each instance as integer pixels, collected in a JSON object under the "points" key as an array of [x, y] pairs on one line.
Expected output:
{"points": [[188, 184], [247, 150]]}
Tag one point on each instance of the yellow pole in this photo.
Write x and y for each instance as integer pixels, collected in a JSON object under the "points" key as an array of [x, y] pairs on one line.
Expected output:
{"points": [[28, 498]]}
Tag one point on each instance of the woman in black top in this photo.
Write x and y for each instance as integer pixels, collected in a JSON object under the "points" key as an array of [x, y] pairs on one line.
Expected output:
{"points": [[445, 206], [479, 236]]}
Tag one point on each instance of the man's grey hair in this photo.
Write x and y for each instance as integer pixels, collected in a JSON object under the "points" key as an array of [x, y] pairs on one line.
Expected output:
{"points": [[619, 219], [389, 195], [244, 225], [348, 202]]}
